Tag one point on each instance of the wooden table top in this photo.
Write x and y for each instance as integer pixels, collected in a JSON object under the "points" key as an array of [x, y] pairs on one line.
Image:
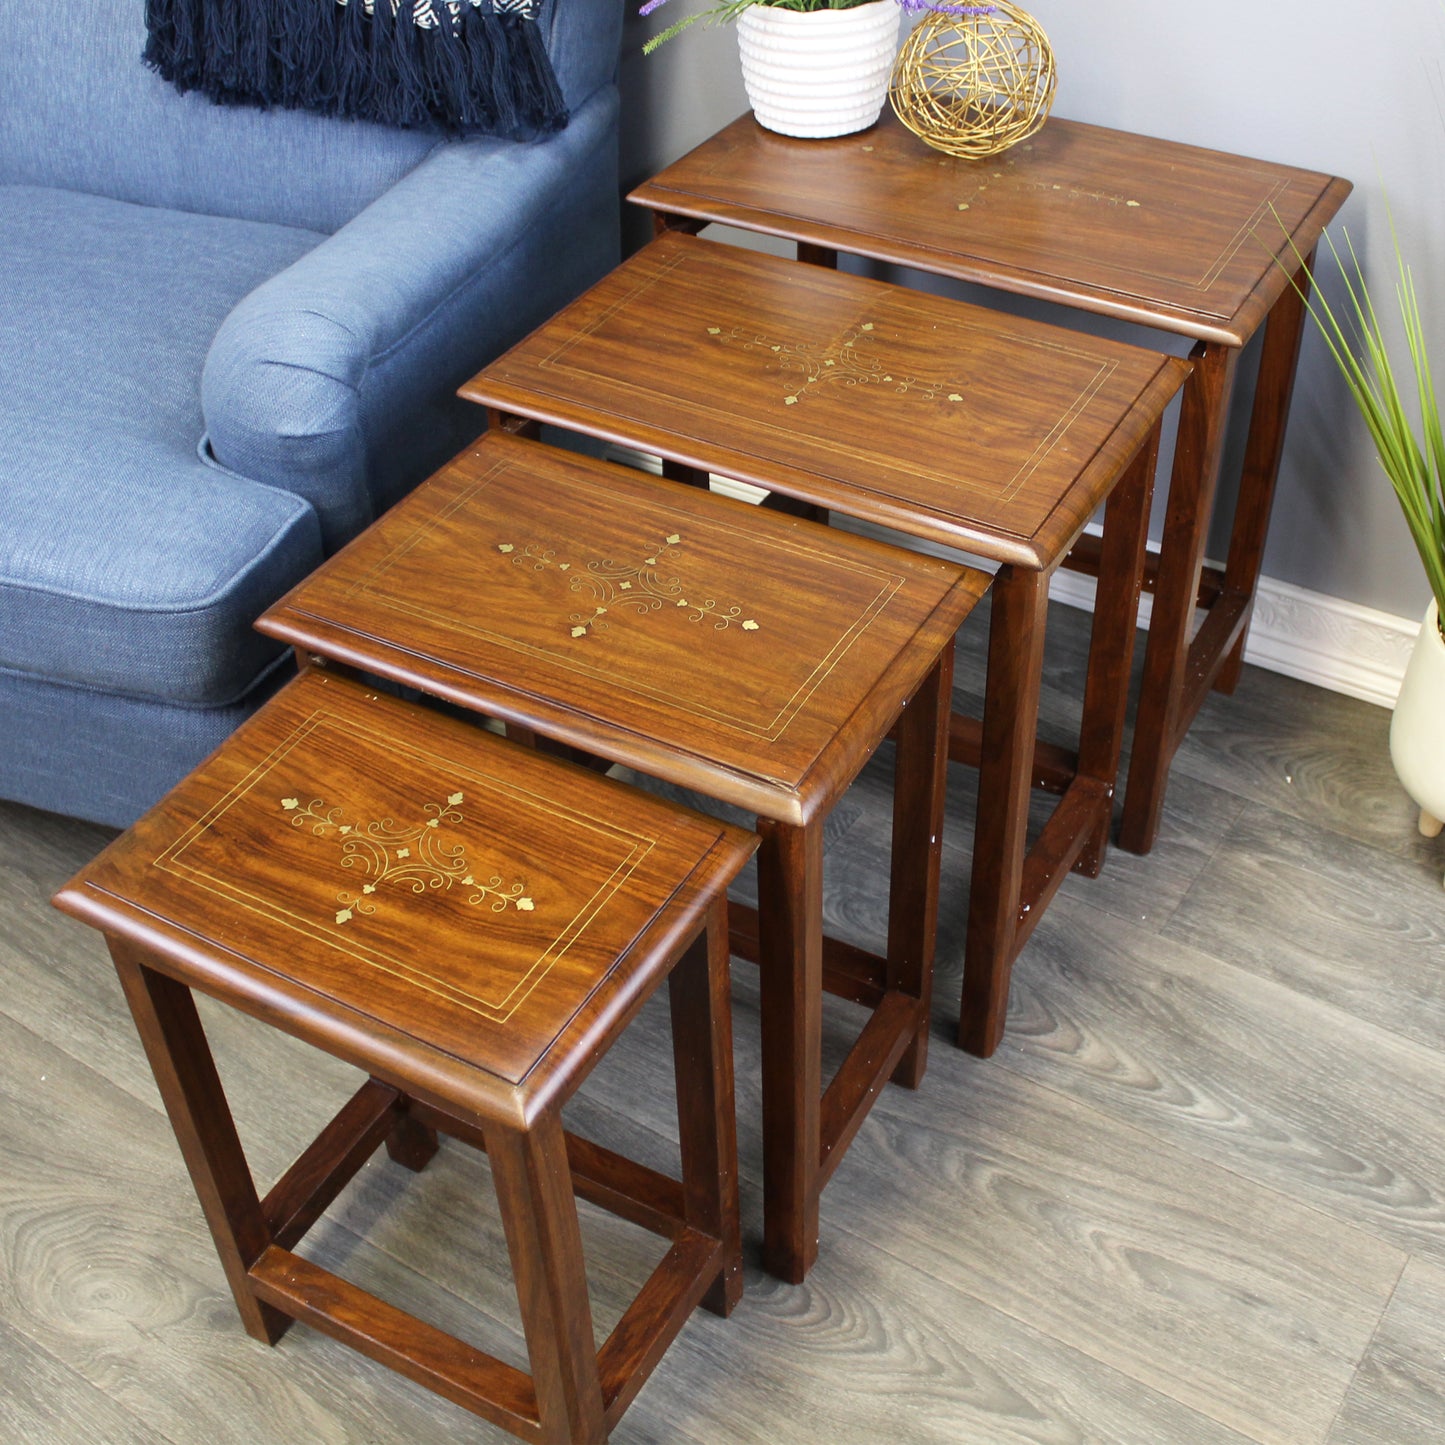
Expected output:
{"points": [[943, 420], [413, 889], [752, 656], [1168, 235]]}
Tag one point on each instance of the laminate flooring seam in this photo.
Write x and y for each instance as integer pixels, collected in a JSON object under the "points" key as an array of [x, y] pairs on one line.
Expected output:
{"points": [[1100, 1029], [1247, 1179], [332, 1241], [1106, 1365], [1198, 1170], [1298, 1201], [1112, 1370], [1160, 921], [1365, 1353], [1361, 925], [142, 1430], [84, 947], [1096, 1359], [1180, 1147]]}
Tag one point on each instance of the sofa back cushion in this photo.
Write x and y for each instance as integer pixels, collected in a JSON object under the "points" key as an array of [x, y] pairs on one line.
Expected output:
{"points": [[82, 113]]}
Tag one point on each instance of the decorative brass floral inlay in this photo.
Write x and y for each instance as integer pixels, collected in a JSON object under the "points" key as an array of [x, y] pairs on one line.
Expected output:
{"points": [[1002, 169], [847, 361], [1077, 193], [417, 857], [640, 586]]}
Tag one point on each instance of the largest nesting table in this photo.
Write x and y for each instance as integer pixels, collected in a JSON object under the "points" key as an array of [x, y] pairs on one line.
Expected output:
{"points": [[1195, 242], [946, 422]]}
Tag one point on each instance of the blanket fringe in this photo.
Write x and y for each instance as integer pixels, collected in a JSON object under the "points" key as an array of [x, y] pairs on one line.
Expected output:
{"points": [[474, 73]]}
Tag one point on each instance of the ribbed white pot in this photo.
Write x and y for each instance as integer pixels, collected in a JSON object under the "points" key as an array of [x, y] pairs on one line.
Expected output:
{"points": [[1417, 731], [818, 72]]}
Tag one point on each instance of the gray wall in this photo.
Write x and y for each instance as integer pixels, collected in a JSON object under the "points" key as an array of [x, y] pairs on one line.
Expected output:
{"points": [[1333, 86]]}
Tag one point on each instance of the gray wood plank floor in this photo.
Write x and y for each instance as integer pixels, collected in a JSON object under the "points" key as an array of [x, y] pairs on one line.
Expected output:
{"points": [[1197, 1197]]}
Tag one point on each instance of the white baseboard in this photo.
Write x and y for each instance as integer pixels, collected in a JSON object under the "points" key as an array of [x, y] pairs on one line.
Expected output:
{"points": [[1328, 641]]}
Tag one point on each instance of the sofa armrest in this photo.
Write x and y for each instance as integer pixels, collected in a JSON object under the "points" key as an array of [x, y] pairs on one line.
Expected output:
{"points": [[313, 372]]}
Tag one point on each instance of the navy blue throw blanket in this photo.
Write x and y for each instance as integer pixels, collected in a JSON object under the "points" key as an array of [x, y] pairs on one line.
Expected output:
{"points": [[467, 67]]}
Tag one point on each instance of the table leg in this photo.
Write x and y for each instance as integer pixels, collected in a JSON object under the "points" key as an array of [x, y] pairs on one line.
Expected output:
{"points": [[699, 995], [411, 1144], [662, 223], [1166, 658], [811, 254], [920, 780], [688, 476], [175, 1043], [792, 507], [1111, 642], [1010, 721], [539, 1215], [522, 426], [1273, 391], [790, 948]]}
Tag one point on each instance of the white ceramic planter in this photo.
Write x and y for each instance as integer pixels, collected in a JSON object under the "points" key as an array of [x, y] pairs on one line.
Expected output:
{"points": [[1417, 731], [818, 73]]}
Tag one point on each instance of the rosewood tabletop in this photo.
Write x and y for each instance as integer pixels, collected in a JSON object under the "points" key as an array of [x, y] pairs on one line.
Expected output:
{"points": [[437, 902], [1171, 236], [1207, 245], [947, 422], [756, 658]]}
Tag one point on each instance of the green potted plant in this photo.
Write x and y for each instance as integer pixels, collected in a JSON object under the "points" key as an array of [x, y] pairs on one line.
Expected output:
{"points": [[812, 68], [1395, 394]]}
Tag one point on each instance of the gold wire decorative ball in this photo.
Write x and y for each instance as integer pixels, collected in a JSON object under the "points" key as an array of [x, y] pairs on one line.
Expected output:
{"points": [[973, 85]]}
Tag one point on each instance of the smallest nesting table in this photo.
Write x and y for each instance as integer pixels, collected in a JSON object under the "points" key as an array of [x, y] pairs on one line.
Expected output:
{"points": [[756, 658], [472, 925]]}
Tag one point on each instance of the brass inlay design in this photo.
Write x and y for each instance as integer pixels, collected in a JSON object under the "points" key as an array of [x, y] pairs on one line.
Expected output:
{"points": [[494, 998], [1076, 193], [416, 856], [998, 171], [1004, 170], [822, 445], [848, 361], [1000, 168], [506, 490], [638, 585]]}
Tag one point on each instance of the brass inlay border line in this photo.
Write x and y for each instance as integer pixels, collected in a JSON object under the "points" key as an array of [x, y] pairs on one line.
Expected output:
{"points": [[635, 585], [870, 220], [646, 397], [886, 585], [1246, 229], [496, 1010], [844, 361]]}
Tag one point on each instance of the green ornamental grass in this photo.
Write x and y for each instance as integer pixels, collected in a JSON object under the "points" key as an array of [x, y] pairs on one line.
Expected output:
{"points": [[1412, 455]]}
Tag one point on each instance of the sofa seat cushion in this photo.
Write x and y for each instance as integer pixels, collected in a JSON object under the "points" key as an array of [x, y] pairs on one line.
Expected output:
{"points": [[127, 563]]}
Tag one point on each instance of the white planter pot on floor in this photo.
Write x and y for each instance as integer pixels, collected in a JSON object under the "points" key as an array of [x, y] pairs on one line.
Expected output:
{"points": [[1417, 730]]}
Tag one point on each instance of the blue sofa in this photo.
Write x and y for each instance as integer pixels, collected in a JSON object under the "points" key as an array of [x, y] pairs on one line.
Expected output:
{"points": [[229, 338]]}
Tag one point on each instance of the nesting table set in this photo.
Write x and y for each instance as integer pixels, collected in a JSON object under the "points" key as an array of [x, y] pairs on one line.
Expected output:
{"points": [[473, 921]]}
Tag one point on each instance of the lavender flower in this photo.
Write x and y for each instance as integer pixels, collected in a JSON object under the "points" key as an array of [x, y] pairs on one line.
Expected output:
{"points": [[919, 7], [724, 10]]}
